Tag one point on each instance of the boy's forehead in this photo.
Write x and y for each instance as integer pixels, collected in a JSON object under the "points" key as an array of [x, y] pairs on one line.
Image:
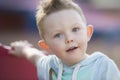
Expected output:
{"points": [[62, 18]]}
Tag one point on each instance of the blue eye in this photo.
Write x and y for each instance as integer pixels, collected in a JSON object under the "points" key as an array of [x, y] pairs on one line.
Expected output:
{"points": [[75, 29], [58, 35]]}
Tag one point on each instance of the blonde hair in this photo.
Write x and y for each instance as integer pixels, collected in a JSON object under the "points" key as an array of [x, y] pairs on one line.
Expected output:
{"points": [[48, 7]]}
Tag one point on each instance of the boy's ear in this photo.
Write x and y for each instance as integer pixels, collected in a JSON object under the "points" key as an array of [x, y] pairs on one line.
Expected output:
{"points": [[89, 31], [43, 45]]}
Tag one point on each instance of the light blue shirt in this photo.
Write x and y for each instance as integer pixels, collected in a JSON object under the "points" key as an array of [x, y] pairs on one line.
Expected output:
{"points": [[96, 67]]}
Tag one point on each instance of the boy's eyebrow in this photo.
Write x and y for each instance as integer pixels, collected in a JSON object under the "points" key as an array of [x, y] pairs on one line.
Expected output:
{"points": [[54, 32], [77, 24]]}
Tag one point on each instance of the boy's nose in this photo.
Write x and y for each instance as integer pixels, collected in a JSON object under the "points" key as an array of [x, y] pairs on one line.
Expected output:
{"points": [[69, 41]]}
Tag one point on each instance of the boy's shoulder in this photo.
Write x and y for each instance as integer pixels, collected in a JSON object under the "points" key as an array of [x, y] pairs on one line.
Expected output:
{"points": [[106, 66], [98, 55], [96, 58]]}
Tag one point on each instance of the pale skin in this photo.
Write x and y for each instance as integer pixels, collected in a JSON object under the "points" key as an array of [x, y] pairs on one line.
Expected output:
{"points": [[65, 35]]}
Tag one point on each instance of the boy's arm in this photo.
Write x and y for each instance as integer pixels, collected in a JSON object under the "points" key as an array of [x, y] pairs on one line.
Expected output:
{"points": [[25, 49], [32, 54]]}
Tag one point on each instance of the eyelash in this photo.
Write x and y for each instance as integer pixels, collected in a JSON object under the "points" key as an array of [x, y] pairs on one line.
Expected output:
{"points": [[75, 29], [57, 35]]}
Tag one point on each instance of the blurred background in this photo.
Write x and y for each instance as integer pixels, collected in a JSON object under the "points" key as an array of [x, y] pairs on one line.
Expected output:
{"points": [[17, 22]]}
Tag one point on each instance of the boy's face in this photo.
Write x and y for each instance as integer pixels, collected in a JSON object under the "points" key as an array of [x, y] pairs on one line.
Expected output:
{"points": [[67, 36]]}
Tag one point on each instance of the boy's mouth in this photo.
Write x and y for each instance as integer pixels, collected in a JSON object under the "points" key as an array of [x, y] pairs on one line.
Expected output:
{"points": [[71, 49]]}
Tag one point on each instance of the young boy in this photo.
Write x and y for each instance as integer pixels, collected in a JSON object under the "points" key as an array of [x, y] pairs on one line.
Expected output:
{"points": [[65, 35]]}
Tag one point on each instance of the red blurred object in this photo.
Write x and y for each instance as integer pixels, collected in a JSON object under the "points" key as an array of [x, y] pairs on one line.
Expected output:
{"points": [[13, 68]]}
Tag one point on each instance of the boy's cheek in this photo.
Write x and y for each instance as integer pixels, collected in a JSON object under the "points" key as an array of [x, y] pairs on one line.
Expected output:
{"points": [[57, 48]]}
